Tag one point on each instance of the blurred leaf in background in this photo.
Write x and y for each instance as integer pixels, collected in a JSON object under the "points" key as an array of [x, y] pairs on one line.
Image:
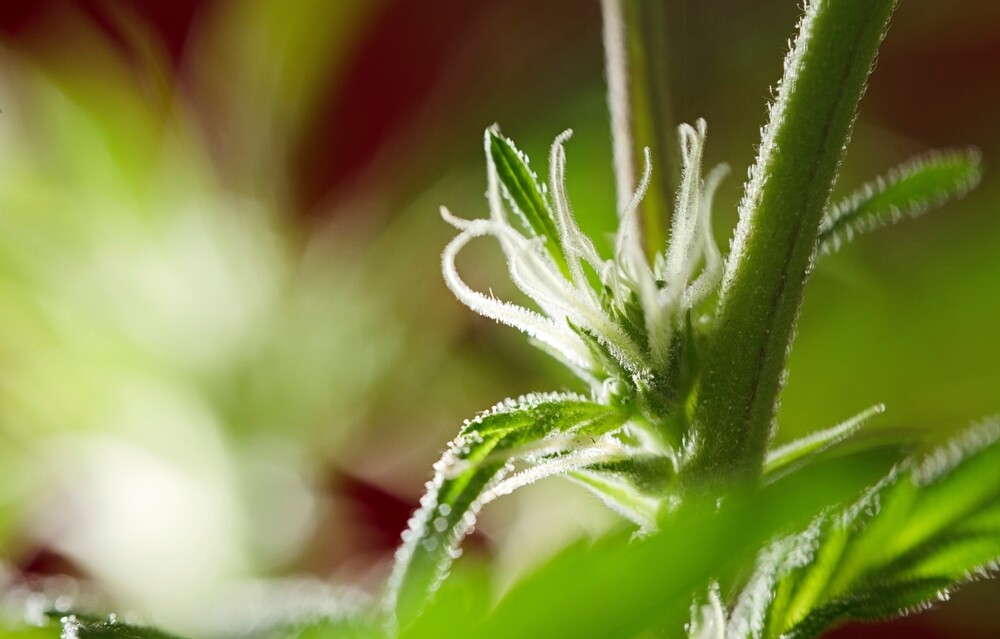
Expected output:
{"points": [[170, 339]]}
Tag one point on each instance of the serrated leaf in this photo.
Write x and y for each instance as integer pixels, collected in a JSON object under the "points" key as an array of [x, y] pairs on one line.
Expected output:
{"points": [[879, 601], [792, 572], [955, 553], [616, 588], [552, 433], [920, 532], [523, 192], [910, 189], [815, 443]]}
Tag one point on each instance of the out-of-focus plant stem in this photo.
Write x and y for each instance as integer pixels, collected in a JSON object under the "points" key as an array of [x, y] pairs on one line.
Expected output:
{"points": [[636, 62]]}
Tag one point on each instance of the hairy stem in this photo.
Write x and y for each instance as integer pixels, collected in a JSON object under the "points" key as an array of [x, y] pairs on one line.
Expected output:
{"points": [[796, 168], [641, 115]]}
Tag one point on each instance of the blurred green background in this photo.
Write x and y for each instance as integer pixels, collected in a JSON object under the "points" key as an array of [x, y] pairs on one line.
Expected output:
{"points": [[226, 351]]}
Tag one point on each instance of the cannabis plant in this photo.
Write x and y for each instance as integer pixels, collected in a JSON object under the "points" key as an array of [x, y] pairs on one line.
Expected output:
{"points": [[680, 349]]}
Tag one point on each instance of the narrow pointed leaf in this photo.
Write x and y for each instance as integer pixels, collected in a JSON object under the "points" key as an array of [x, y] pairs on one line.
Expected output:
{"points": [[633, 487], [649, 474], [636, 39], [879, 601], [921, 532], [908, 190], [818, 442], [474, 462], [523, 192], [607, 364], [621, 496]]}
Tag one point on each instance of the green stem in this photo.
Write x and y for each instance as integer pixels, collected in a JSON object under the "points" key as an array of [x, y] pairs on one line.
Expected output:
{"points": [[641, 115], [797, 166]]}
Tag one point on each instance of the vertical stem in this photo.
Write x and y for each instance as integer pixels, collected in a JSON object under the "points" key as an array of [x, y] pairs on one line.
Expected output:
{"points": [[799, 158], [641, 116]]}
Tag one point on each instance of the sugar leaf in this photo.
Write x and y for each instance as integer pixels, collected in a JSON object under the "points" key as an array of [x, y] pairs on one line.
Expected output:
{"points": [[549, 433], [523, 192]]}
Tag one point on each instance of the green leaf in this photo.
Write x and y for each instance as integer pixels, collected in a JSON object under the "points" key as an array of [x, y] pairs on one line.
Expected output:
{"points": [[551, 433], [466, 594], [879, 601], [618, 587], [523, 192], [816, 443], [334, 629], [910, 189], [921, 531], [634, 487], [649, 474]]}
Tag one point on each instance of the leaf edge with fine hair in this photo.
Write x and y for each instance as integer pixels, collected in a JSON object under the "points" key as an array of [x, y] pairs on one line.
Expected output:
{"points": [[888, 199]]}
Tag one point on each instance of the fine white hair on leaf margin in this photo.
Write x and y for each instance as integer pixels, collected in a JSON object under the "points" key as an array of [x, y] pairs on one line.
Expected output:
{"points": [[946, 458]]}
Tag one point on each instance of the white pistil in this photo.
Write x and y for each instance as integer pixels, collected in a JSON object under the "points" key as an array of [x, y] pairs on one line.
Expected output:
{"points": [[566, 295]]}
